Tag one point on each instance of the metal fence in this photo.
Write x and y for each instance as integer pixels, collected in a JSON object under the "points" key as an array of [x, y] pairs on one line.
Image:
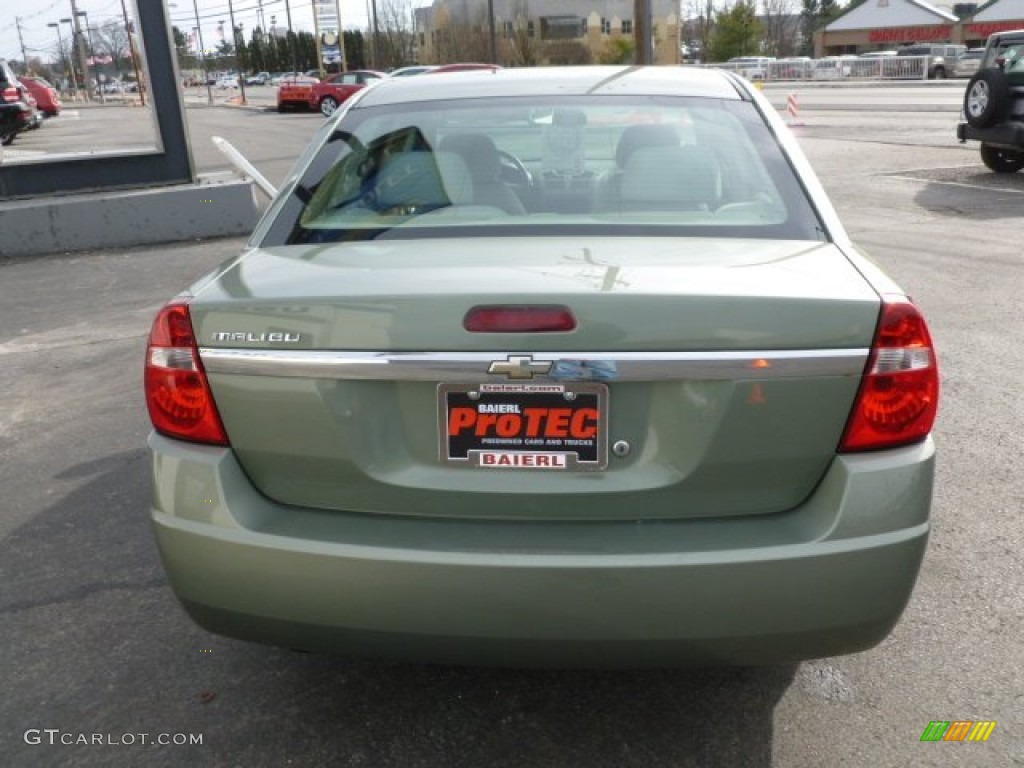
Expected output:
{"points": [[834, 68]]}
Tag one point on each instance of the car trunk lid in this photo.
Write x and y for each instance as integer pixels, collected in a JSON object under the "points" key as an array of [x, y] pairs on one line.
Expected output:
{"points": [[719, 374]]}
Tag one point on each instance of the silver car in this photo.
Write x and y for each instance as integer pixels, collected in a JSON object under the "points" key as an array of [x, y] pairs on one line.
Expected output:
{"points": [[966, 63]]}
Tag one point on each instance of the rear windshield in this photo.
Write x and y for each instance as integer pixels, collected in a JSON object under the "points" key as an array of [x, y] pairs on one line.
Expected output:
{"points": [[616, 166]]}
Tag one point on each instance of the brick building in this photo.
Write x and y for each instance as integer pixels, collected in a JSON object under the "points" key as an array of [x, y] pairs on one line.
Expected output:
{"points": [[881, 24]]}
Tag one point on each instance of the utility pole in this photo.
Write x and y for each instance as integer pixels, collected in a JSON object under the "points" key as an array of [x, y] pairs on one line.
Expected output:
{"points": [[235, 36], [492, 36], [202, 52], [79, 44], [69, 67], [292, 42], [128, 29], [642, 32], [21, 42], [92, 53], [317, 40], [376, 36], [341, 38]]}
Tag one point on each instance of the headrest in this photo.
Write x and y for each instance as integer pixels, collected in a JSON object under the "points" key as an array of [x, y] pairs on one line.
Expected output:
{"points": [[478, 152], [429, 179], [637, 136]]}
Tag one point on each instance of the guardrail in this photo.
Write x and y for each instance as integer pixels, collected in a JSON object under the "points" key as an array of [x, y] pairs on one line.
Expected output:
{"points": [[867, 68]]}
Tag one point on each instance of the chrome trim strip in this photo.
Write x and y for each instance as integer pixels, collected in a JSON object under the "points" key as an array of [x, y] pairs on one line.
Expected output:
{"points": [[566, 366]]}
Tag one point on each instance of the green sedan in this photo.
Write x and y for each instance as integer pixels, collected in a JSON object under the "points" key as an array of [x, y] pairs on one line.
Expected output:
{"points": [[554, 367]]}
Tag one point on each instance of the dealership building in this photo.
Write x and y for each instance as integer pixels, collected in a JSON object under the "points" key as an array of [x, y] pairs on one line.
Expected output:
{"points": [[888, 24]]}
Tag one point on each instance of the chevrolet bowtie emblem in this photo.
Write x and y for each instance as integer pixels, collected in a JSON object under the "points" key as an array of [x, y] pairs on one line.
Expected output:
{"points": [[519, 367]]}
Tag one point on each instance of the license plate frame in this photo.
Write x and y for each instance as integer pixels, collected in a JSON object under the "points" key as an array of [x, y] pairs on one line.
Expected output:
{"points": [[530, 426]]}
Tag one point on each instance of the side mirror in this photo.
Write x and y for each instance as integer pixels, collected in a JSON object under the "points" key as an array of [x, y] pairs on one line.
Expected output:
{"points": [[1001, 62]]}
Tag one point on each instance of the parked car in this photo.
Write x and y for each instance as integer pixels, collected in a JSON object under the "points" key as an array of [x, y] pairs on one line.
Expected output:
{"points": [[993, 111], [260, 78], [614, 388], [126, 86], [31, 117], [751, 67], [942, 56], [967, 62], [833, 67], [277, 77], [461, 67], [791, 68], [295, 92], [47, 99], [227, 81], [9, 113], [327, 95], [21, 113], [412, 69]]}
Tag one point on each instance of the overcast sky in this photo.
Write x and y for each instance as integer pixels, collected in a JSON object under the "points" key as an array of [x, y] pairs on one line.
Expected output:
{"points": [[41, 40]]}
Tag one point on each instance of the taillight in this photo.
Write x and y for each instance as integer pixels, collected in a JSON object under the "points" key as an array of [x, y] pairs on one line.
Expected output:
{"points": [[899, 397], [177, 392], [519, 318], [10, 94]]}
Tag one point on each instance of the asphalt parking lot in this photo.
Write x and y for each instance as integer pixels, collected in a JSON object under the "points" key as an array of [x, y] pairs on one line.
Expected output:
{"points": [[95, 645]]}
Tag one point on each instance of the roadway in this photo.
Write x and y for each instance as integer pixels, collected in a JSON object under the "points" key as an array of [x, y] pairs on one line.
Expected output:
{"points": [[84, 128]]}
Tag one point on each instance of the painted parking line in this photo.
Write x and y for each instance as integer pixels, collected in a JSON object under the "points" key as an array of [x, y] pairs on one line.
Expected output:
{"points": [[14, 154]]}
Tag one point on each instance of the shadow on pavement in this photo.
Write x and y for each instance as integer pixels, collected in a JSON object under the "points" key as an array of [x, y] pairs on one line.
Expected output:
{"points": [[977, 195], [94, 643]]}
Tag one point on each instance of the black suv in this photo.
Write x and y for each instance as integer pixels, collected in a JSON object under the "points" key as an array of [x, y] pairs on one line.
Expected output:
{"points": [[17, 108], [994, 103]]}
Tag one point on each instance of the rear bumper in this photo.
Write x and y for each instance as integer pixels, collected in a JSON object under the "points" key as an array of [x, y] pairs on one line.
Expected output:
{"points": [[1008, 134], [829, 577], [301, 98]]}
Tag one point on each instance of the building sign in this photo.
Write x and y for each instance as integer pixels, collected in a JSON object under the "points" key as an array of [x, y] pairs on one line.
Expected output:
{"points": [[915, 34], [325, 15], [327, 22], [991, 27]]}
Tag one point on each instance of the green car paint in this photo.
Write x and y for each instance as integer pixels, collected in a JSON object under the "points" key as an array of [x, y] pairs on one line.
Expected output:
{"points": [[829, 576], [723, 344]]}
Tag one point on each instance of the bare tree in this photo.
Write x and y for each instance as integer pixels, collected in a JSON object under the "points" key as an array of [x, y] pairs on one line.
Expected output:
{"points": [[110, 38], [522, 39], [780, 22], [462, 39], [396, 35], [698, 23]]}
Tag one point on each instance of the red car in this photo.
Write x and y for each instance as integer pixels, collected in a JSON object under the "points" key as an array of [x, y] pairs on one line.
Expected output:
{"points": [[47, 99], [294, 91], [331, 92]]}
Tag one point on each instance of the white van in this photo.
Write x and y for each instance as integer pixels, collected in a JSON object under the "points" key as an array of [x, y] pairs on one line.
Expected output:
{"points": [[751, 67]]}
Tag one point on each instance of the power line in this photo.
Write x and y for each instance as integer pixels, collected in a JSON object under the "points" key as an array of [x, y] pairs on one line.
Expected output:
{"points": [[44, 11], [218, 14]]}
